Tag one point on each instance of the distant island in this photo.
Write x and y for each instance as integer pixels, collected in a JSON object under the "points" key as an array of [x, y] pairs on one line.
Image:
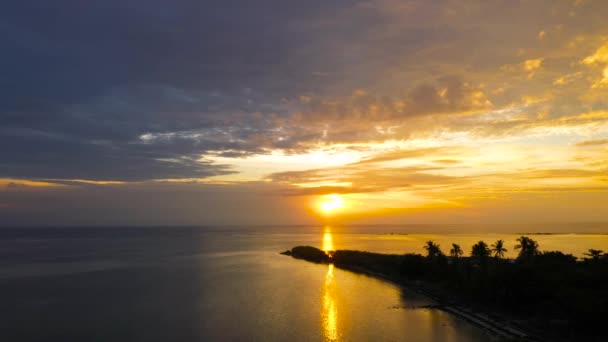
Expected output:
{"points": [[540, 295]]}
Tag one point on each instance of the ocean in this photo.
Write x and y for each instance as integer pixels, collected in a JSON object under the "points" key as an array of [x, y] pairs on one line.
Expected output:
{"points": [[222, 284]]}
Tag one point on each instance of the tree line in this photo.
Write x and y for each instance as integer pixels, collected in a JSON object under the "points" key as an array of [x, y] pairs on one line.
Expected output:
{"points": [[560, 295], [528, 248], [556, 292]]}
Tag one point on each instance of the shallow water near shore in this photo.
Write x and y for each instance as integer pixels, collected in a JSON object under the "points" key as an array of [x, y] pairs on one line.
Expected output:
{"points": [[186, 284]]}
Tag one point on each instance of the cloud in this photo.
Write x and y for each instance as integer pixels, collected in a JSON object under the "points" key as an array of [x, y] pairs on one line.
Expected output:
{"points": [[364, 179], [561, 173], [30, 156], [413, 153], [532, 66], [79, 92], [424, 103], [323, 190], [13, 185], [563, 80], [599, 57], [593, 142]]}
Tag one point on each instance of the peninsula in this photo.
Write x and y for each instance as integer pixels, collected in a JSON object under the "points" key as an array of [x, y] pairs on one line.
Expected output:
{"points": [[538, 296]]}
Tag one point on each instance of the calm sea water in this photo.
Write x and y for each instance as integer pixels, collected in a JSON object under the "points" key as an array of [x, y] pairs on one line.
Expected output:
{"points": [[188, 284]]}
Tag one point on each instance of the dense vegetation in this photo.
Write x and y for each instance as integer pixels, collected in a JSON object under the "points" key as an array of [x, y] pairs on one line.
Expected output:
{"points": [[552, 291], [308, 253]]}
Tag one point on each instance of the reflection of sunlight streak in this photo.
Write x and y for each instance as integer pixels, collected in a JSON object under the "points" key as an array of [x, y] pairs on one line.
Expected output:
{"points": [[329, 277], [328, 242], [330, 319], [329, 314]]}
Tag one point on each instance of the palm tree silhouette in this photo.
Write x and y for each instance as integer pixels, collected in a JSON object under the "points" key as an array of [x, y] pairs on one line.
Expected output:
{"points": [[499, 249], [595, 254], [480, 251], [456, 251], [527, 247], [432, 250]]}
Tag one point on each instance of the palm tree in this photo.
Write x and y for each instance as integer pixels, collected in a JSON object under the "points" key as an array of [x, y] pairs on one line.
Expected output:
{"points": [[498, 249], [480, 251], [432, 250], [595, 254], [456, 251], [527, 247]]}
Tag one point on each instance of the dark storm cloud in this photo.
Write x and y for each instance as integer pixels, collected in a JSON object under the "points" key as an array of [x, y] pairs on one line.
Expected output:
{"points": [[40, 157], [82, 82], [135, 90], [86, 48]]}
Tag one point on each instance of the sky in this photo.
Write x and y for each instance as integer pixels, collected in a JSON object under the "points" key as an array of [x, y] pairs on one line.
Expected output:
{"points": [[244, 112]]}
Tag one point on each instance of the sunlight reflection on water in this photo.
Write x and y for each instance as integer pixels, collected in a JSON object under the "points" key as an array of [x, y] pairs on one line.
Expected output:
{"points": [[211, 280], [328, 241], [329, 314], [419, 324]]}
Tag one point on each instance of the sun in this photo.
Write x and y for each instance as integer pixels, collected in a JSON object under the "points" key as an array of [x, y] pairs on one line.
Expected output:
{"points": [[331, 203]]}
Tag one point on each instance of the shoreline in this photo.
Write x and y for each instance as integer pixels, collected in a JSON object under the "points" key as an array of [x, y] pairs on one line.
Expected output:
{"points": [[494, 322], [497, 328], [540, 296]]}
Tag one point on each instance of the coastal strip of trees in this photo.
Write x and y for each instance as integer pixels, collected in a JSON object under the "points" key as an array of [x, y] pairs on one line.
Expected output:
{"points": [[557, 294]]}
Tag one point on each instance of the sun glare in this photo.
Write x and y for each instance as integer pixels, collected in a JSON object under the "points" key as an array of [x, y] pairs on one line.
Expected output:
{"points": [[331, 203]]}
